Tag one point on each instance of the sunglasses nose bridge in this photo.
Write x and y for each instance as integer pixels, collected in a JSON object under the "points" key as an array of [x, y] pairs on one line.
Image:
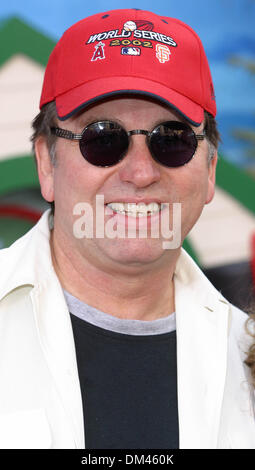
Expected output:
{"points": [[138, 132], [141, 132]]}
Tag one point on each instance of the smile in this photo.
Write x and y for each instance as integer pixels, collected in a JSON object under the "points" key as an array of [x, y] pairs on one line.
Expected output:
{"points": [[136, 210]]}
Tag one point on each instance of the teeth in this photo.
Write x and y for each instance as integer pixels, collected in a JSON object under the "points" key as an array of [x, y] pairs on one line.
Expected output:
{"points": [[135, 210]]}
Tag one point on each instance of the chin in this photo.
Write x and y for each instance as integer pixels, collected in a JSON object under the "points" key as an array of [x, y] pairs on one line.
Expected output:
{"points": [[134, 252]]}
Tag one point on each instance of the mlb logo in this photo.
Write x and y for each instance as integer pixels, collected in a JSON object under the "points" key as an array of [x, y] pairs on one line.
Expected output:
{"points": [[131, 51]]}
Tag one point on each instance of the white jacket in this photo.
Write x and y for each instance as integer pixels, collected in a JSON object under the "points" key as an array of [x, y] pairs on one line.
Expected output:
{"points": [[40, 397]]}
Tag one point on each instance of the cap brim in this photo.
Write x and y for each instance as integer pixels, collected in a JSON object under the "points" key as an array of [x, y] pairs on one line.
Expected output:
{"points": [[90, 93]]}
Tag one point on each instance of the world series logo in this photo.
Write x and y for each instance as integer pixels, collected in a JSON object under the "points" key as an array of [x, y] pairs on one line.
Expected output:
{"points": [[139, 30]]}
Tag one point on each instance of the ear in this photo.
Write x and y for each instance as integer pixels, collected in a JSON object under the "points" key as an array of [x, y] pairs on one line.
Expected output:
{"points": [[211, 178], [45, 168]]}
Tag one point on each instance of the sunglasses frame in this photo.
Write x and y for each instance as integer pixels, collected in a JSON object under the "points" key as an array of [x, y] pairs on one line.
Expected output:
{"points": [[66, 134]]}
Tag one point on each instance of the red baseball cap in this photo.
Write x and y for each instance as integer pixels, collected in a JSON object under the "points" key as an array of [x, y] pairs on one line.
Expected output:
{"points": [[129, 51]]}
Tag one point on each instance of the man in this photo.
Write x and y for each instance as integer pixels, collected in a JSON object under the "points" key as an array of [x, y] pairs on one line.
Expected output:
{"points": [[113, 339]]}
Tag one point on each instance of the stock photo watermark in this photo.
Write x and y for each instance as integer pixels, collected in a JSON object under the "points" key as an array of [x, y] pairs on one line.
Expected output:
{"points": [[129, 220]]}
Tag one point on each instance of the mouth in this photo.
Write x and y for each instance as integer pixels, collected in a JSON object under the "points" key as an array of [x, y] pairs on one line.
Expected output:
{"points": [[136, 210]]}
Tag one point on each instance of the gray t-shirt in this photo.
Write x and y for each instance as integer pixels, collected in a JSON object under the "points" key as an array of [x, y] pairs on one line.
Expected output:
{"points": [[119, 325]]}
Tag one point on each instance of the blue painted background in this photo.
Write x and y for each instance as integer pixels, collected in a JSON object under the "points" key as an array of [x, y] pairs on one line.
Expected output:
{"points": [[226, 27]]}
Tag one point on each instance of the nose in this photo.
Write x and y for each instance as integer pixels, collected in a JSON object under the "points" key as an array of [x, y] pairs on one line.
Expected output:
{"points": [[138, 166]]}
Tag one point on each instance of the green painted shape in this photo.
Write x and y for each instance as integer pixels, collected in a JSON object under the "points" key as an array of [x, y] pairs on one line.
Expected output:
{"points": [[18, 173], [237, 183], [17, 37], [187, 245], [11, 229]]}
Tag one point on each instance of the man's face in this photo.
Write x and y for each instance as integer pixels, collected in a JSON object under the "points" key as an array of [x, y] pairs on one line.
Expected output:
{"points": [[137, 178]]}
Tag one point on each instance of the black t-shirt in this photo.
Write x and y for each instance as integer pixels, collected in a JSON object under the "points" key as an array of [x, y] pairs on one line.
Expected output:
{"points": [[129, 388]]}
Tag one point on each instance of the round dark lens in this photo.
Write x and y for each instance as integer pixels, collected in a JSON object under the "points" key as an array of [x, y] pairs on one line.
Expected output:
{"points": [[173, 143], [104, 143]]}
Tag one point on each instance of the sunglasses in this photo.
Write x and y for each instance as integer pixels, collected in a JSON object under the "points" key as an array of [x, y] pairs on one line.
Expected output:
{"points": [[105, 143]]}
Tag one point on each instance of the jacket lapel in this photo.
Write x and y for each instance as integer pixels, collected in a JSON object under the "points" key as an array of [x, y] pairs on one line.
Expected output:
{"points": [[56, 338], [202, 331]]}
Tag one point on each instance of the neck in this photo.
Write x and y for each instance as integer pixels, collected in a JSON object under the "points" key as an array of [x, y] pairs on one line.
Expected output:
{"points": [[136, 293]]}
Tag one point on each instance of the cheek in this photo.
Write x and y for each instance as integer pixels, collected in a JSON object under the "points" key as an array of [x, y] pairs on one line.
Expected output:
{"points": [[192, 193], [192, 184], [75, 180], [67, 175], [65, 185]]}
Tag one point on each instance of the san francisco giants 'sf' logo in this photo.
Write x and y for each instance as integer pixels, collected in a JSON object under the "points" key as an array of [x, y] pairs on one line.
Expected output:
{"points": [[162, 53]]}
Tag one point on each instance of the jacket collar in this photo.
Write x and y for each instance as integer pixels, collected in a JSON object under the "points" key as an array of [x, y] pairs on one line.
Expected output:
{"points": [[28, 260]]}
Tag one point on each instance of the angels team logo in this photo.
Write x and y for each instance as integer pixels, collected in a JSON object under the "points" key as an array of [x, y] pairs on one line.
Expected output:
{"points": [[162, 53], [99, 52]]}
